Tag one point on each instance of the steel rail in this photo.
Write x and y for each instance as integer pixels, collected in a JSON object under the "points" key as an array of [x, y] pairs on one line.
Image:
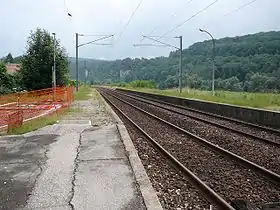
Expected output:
{"points": [[148, 101], [206, 113], [210, 194], [270, 175]]}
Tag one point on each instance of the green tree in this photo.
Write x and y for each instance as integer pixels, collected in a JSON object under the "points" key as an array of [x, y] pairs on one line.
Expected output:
{"points": [[6, 81], [17, 59], [142, 84], [37, 62], [9, 58], [231, 84], [258, 83], [3, 72]]}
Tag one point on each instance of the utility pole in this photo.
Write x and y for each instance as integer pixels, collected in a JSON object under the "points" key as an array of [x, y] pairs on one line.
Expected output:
{"points": [[119, 75], [86, 72], [163, 44], [77, 65], [181, 63], [213, 67], [54, 70], [80, 45]]}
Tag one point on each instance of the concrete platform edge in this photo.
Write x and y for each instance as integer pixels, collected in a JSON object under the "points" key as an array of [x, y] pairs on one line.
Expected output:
{"points": [[148, 193]]}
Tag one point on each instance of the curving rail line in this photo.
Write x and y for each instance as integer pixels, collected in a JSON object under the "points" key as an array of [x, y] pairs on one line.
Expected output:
{"points": [[149, 101], [271, 176], [211, 195]]}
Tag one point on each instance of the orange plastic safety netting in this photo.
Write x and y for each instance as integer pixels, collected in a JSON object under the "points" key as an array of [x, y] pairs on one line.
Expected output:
{"points": [[19, 107]]}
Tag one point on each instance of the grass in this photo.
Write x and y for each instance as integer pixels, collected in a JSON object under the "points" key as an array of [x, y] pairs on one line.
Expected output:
{"points": [[269, 101], [34, 125], [84, 93], [39, 122]]}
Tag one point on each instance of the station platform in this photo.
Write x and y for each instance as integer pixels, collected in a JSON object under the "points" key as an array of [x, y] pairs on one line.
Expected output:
{"points": [[85, 161]]}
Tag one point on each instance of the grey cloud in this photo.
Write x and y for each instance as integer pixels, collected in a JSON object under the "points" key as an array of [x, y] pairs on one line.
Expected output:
{"points": [[110, 16]]}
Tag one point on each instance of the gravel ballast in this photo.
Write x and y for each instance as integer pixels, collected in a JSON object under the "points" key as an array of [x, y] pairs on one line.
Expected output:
{"points": [[173, 189], [240, 126], [227, 178], [261, 153]]}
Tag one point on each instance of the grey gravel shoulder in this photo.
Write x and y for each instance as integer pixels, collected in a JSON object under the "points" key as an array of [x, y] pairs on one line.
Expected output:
{"points": [[148, 193]]}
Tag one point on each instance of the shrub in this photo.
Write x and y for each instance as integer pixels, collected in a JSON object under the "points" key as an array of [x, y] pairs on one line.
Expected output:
{"points": [[142, 84]]}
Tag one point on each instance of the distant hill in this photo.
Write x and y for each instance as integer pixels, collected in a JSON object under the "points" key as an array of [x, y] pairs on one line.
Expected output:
{"points": [[250, 63], [94, 67], [241, 46]]}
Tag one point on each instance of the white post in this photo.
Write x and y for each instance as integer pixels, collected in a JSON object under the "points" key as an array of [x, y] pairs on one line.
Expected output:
{"points": [[54, 73]]}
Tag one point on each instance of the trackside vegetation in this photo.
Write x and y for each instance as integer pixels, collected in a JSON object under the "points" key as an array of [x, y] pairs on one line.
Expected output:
{"points": [[270, 101]]}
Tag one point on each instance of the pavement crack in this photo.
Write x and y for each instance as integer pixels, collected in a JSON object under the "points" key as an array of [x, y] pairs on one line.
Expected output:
{"points": [[102, 159], [76, 165], [40, 166]]}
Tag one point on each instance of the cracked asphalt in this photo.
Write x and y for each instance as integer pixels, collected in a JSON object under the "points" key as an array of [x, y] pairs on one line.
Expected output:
{"points": [[79, 163], [104, 178], [54, 185], [21, 160]]}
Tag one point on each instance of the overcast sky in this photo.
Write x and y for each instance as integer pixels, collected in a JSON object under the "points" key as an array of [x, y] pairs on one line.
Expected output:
{"points": [[19, 17]]}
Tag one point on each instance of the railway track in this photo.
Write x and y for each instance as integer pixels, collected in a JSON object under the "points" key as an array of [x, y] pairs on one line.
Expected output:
{"points": [[201, 160], [261, 133], [172, 186], [261, 152]]}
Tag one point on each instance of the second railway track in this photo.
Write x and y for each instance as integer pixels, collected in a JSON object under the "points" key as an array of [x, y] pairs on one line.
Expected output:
{"points": [[261, 152], [262, 133], [227, 177]]}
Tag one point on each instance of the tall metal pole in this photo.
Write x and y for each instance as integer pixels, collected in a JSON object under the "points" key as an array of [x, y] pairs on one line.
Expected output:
{"points": [[213, 67], [53, 85], [77, 53], [54, 70], [181, 63], [77, 65], [213, 70], [86, 72], [119, 75], [180, 59]]}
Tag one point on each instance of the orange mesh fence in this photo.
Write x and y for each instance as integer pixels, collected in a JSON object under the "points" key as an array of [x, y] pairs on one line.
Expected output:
{"points": [[15, 119], [33, 104]]}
